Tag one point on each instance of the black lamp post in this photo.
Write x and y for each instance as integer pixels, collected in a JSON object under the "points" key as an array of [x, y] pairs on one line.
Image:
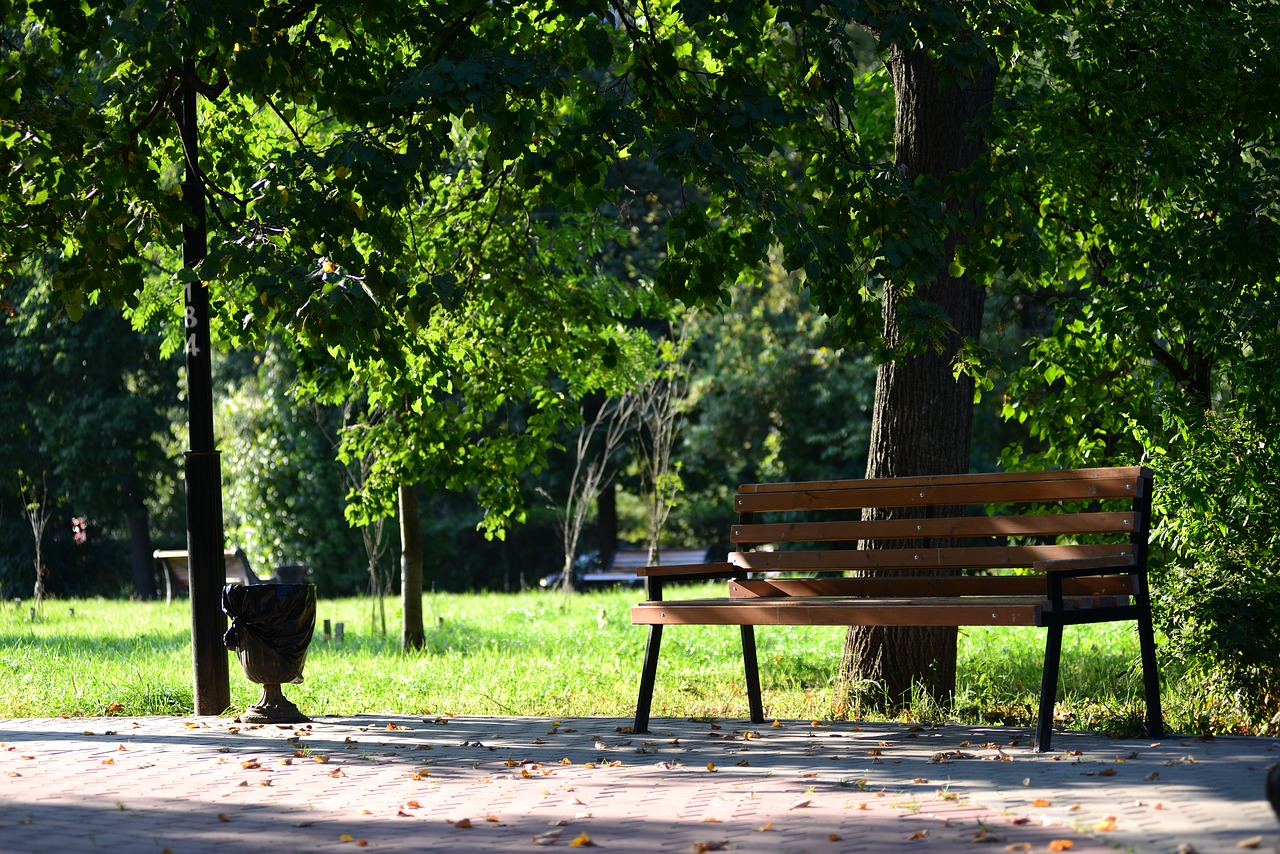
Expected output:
{"points": [[203, 465]]}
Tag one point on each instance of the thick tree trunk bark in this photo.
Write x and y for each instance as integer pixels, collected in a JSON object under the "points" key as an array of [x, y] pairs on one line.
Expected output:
{"points": [[922, 417], [412, 635], [144, 572]]}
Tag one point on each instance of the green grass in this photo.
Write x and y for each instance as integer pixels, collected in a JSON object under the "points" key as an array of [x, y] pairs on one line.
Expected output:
{"points": [[538, 653]]}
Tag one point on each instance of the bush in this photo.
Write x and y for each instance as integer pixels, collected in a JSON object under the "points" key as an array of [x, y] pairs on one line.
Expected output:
{"points": [[1216, 582]]}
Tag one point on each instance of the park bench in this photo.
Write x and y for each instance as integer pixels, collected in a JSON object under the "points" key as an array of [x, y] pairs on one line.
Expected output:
{"points": [[1047, 549], [622, 567], [177, 575]]}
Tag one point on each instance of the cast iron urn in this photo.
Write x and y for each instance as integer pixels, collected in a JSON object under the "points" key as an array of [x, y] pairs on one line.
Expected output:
{"points": [[271, 626]]}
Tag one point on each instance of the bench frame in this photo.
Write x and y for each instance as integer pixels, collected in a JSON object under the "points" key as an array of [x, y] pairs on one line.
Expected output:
{"points": [[1064, 584], [177, 571]]}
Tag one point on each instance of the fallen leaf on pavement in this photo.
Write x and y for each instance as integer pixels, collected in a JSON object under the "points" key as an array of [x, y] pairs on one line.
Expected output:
{"points": [[1061, 845], [581, 841], [1251, 842]]}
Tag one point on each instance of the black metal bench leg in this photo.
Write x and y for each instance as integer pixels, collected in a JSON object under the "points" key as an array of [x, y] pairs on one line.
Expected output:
{"points": [[1150, 673], [647, 676], [1048, 688], [754, 701]]}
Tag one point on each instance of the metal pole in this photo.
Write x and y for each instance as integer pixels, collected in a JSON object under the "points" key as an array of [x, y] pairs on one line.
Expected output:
{"points": [[203, 465]]}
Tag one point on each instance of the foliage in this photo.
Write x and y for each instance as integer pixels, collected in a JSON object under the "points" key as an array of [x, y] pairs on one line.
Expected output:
{"points": [[1217, 589], [89, 405], [1152, 135], [283, 492]]}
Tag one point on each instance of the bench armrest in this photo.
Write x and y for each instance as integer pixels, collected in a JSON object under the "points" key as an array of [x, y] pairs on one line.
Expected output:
{"points": [[1107, 565], [686, 571]]}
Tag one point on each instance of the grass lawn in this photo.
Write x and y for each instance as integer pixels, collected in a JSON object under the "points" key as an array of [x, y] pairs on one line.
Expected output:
{"points": [[543, 654]]}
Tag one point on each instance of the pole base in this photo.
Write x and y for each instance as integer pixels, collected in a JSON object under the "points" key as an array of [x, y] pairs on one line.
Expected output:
{"points": [[273, 708]]}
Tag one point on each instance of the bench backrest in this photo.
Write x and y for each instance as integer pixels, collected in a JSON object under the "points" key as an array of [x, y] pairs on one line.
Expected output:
{"points": [[984, 532]]}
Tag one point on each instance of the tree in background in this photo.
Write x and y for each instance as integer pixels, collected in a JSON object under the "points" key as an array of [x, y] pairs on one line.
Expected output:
{"points": [[37, 507], [283, 496], [660, 415], [1153, 133], [91, 404]]}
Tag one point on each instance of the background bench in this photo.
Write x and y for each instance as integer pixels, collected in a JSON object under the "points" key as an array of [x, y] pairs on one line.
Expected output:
{"points": [[622, 568], [177, 575], [1046, 549]]}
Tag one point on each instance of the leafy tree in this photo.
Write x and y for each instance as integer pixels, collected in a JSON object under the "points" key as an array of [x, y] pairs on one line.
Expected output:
{"points": [[1153, 132], [90, 403], [283, 494]]}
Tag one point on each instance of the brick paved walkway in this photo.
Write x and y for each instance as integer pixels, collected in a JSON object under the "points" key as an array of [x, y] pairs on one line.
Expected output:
{"points": [[408, 783]]}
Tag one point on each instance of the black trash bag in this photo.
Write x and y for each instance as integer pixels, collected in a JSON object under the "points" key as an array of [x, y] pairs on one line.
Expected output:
{"points": [[271, 627]]}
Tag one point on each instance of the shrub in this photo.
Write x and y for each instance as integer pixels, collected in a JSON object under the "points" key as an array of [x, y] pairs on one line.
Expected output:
{"points": [[1216, 586]]}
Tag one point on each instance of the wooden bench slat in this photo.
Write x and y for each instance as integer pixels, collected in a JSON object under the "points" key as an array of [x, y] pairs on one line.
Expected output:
{"points": [[950, 495], [840, 612], [985, 478], [1002, 585], [976, 557], [958, 526]]}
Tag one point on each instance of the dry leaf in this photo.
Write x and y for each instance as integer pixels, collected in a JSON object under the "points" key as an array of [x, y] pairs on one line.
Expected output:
{"points": [[466, 822], [710, 820], [717, 845], [800, 804], [1154, 775], [1108, 823], [919, 834], [581, 841], [711, 766], [776, 724], [742, 763], [764, 827], [1061, 845], [250, 764], [834, 837], [1107, 772], [1018, 846], [223, 817], [346, 837], [108, 761], [1041, 802], [420, 775], [1251, 842], [413, 805]]}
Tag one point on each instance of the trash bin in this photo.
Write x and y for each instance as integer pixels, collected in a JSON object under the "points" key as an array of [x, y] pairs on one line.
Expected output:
{"points": [[292, 573], [271, 628]]}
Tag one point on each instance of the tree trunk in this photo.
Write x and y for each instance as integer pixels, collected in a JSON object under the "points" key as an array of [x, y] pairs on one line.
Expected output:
{"points": [[922, 417], [412, 635], [144, 573]]}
